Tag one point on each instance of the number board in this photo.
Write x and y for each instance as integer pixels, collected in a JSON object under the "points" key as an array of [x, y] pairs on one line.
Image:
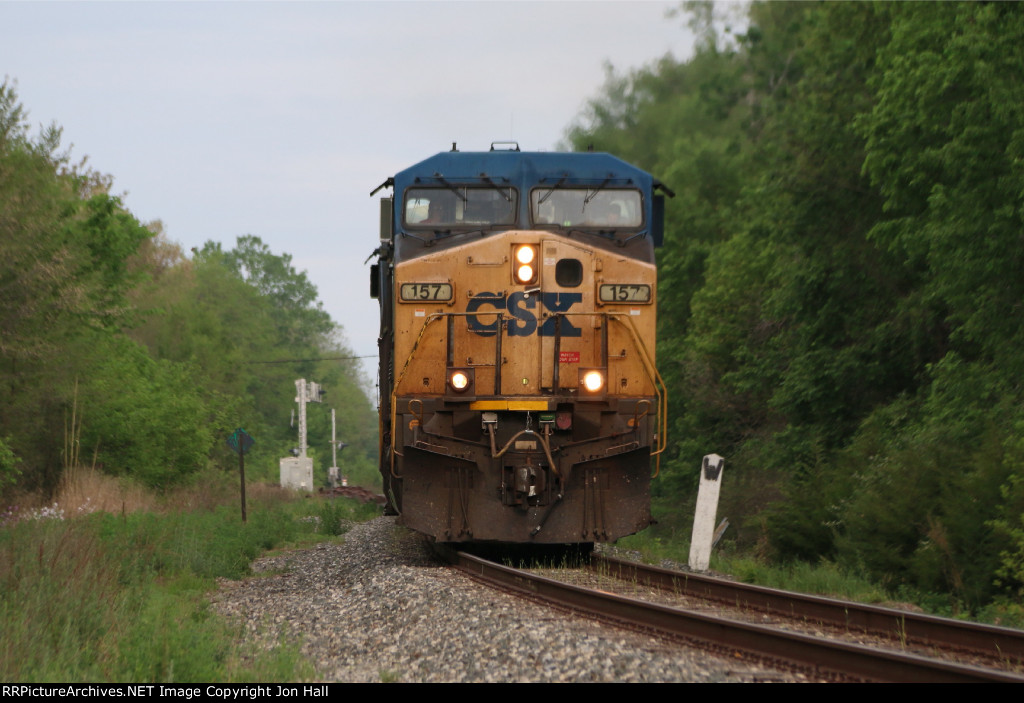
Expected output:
{"points": [[624, 293], [416, 292]]}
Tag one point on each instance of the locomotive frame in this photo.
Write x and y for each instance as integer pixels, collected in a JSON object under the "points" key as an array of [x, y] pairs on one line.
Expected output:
{"points": [[518, 394]]}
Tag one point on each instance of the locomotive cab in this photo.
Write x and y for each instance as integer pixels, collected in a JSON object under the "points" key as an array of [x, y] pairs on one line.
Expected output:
{"points": [[519, 397]]}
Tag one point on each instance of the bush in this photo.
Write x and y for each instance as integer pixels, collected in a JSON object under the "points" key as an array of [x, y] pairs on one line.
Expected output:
{"points": [[147, 418]]}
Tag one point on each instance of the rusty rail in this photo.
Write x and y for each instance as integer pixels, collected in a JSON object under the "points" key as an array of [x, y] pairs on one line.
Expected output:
{"points": [[1001, 643], [825, 656]]}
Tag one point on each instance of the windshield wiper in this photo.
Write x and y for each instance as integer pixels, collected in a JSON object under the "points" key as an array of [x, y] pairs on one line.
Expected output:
{"points": [[555, 187], [501, 191], [596, 191], [451, 186]]}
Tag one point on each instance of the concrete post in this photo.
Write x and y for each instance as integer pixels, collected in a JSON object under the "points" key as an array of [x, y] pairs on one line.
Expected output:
{"points": [[707, 509]]}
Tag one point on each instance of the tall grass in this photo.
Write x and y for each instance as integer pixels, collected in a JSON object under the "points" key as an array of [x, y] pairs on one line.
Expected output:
{"points": [[83, 489], [111, 583], [60, 602], [659, 543]]}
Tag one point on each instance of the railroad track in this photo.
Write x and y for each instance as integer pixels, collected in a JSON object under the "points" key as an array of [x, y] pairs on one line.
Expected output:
{"points": [[825, 656], [999, 645]]}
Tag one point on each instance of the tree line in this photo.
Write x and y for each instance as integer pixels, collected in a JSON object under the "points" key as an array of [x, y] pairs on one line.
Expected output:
{"points": [[842, 284], [119, 351]]}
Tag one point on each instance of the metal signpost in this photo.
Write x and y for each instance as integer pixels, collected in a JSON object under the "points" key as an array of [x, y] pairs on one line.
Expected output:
{"points": [[241, 442]]}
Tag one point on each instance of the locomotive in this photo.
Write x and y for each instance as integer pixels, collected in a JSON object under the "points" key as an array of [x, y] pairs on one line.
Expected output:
{"points": [[518, 394]]}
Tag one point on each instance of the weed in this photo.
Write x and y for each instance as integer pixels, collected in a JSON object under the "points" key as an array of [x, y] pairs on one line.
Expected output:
{"points": [[88, 594]]}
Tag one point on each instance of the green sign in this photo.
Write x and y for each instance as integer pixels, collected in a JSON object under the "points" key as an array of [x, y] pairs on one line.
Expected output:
{"points": [[241, 441]]}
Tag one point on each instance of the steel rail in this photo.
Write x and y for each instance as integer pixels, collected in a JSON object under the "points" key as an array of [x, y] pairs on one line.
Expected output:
{"points": [[825, 656], [1001, 643]]}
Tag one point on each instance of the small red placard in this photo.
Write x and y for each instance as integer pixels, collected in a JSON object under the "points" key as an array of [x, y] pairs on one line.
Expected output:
{"points": [[568, 357]]}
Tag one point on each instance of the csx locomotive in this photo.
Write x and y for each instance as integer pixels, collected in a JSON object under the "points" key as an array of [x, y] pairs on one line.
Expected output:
{"points": [[519, 400]]}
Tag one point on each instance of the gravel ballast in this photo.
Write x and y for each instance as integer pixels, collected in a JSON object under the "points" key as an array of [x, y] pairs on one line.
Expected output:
{"points": [[377, 606]]}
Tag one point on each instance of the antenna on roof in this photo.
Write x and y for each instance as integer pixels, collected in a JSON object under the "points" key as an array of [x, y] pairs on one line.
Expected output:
{"points": [[453, 147]]}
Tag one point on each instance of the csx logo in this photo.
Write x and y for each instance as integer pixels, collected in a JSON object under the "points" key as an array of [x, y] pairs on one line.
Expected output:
{"points": [[521, 306]]}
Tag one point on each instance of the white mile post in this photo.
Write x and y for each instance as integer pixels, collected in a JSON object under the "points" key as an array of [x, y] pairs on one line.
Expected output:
{"points": [[707, 509]]}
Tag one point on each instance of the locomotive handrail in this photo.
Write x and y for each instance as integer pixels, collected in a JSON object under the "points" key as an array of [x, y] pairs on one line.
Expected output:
{"points": [[660, 391], [401, 377], [432, 317], [659, 386]]}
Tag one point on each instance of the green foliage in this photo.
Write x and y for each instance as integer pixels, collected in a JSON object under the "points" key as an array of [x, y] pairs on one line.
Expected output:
{"points": [[333, 518], [294, 305], [1011, 568], [57, 602], [37, 285], [945, 142], [253, 325], [9, 472], [1009, 520], [151, 544], [123, 597], [822, 578], [840, 291], [64, 279], [168, 354], [110, 236], [146, 417], [159, 648]]}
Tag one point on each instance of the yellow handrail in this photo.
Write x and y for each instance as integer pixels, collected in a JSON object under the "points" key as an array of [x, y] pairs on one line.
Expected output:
{"points": [[660, 391], [659, 385], [401, 377]]}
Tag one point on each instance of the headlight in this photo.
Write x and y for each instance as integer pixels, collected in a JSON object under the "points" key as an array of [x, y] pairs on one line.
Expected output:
{"points": [[524, 274], [592, 380], [524, 270], [459, 380]]}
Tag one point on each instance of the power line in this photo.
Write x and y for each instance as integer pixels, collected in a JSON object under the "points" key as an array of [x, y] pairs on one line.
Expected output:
{"points": [[321, 358]]}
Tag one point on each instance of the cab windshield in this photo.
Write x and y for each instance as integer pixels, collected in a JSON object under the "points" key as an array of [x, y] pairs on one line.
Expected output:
{"points": [[460, 206], [587, 207]]}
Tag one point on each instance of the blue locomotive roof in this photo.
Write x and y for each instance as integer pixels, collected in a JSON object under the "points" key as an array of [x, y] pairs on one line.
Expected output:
{"points": [[523, 170], [600, 176]]}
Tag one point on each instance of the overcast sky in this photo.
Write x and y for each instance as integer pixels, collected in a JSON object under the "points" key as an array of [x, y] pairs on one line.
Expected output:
{"points": [[277, 119]]}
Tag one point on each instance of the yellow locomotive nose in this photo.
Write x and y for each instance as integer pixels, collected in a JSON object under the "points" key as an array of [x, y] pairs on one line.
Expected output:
{"points": [[521, 407]]}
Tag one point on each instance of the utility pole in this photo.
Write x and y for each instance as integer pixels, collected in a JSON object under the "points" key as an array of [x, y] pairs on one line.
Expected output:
{"points": [[333, 472], [301, 398], [297, 472]]}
